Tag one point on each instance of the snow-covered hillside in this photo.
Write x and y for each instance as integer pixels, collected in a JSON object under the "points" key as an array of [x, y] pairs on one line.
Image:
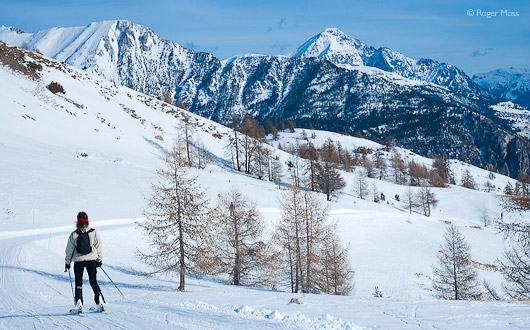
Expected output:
{"points": [[96, 148], [516, 115]]}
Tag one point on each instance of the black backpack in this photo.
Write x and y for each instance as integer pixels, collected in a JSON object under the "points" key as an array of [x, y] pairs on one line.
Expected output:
{"points": [[83, 242]]}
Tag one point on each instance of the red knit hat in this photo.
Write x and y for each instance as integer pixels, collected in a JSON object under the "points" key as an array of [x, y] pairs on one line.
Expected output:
{"points": [[82, 217]]}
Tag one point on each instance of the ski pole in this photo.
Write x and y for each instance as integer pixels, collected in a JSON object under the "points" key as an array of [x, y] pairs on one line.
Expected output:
{"points": [[71, 286], [112, 281]]}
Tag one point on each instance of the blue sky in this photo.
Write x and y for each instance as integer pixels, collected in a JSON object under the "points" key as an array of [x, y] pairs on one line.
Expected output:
{"points": [[441, 30]]}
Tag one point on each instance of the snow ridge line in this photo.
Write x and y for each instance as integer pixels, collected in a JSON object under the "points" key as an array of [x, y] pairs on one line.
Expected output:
{"points": [[296, 320]]}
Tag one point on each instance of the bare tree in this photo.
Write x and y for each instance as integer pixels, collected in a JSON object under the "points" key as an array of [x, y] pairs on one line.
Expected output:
{"points": [[518, 200], [369, 167], [290, 234], [328, 177], [467, 180], [454, 274], [426, 200], [237, 247], [294, 164], [360, 183], [516, 262], [441, 166], [409, 200], [175, 219], [187, 131], [165, 96], [489, 187], [314, 258], [276, 170], [375, 192], [310, 153], [316, 230], [380, 165], [337, 274], [398, 168], [233, 149], [418, 173]]}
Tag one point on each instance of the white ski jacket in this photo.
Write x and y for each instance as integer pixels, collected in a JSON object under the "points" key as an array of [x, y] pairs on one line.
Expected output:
{"points": [[96, 252]]}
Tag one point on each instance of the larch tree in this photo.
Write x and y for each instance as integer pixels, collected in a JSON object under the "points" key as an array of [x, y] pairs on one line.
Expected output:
{"points": [[515, 264], [467, 180], [360, 183], [310, 154], [454, 274], [328, 178], [276, 170], [315, 230], [236, 241], [380, 165], [290, 234], [398, 168], [409, 200], [175, 219], [336, 276], [314, 258], [426, 200]]}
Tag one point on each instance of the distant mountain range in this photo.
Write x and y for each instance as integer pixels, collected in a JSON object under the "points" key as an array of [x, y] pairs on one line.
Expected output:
{"points": [[509, 84], [332, 82]]}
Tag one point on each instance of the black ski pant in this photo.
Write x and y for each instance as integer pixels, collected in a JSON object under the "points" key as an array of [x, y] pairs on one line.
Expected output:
{"points": [[79, 267]]}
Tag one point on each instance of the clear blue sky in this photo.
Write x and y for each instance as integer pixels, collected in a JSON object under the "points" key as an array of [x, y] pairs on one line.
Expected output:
{"points": [[441, 30]]}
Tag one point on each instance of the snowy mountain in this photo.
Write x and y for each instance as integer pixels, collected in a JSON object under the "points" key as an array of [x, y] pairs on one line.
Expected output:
{"points": [[96, 147], [510, 84], [338, 48], [421, 116]]}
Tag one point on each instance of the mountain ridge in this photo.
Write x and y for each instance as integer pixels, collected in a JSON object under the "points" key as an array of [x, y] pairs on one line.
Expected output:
{"points": [[308, 90], [510, 84]]}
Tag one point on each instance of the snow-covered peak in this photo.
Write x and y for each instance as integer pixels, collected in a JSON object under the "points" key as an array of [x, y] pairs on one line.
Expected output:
{"points": [[103, 47], [512, 84], [334, 45]]}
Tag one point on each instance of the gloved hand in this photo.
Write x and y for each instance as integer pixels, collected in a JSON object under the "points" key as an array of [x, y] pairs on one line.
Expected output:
{"points": [[66, 266], [99, 263]]}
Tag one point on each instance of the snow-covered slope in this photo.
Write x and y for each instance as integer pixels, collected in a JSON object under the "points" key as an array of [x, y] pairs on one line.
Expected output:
{"points": [[510, 84], [516, 115], [96, 147]]}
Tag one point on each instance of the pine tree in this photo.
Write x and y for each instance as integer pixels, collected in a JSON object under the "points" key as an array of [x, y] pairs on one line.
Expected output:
{"points": [[175, 218], [454, 274]]}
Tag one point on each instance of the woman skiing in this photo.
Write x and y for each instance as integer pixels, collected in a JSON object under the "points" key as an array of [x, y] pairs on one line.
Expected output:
{"points": [[85, 250]]}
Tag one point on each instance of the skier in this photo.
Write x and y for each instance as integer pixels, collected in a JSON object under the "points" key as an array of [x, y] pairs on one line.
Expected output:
{"points": [[85, 250]]}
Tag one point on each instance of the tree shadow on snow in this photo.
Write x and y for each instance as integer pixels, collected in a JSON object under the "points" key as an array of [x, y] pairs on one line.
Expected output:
{"points": [[102, 280]]}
